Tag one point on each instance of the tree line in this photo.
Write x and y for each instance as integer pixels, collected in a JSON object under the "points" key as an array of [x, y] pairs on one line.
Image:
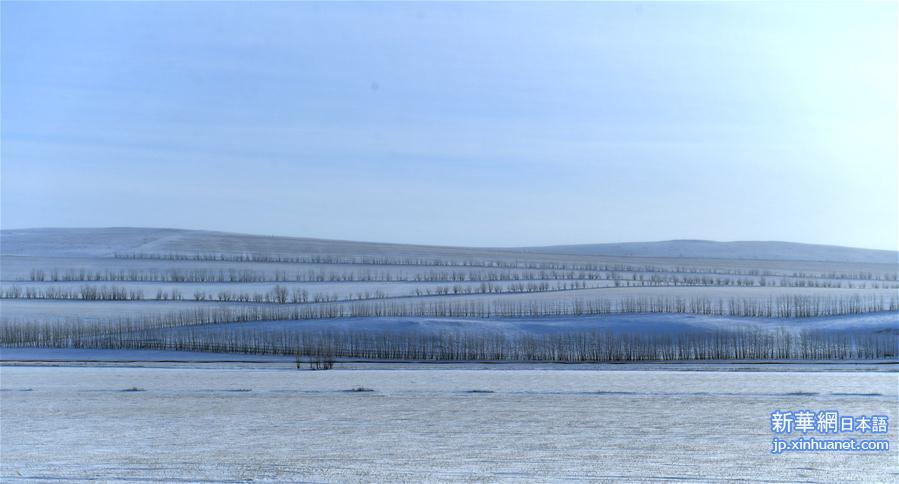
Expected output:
{"points": [[886, 275], [277, 295], [795, 306], [619, 279], [47, 331], [83, 293], [577, 346]]}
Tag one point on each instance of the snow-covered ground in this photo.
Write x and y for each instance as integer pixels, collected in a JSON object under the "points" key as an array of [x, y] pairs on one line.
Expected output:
{"points": [[725, 250], [108, 241], [639, 323], [51, 279], [536, 425], [28, 309], [57, 357], [149, 415]]}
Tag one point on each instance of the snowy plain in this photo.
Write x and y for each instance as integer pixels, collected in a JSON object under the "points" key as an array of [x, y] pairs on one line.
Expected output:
{"points": [[73, 414], [283, 425], [65, 280]]}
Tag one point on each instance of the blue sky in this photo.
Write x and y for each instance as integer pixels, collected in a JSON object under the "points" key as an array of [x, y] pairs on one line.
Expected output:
{"points": [[462, 124]]}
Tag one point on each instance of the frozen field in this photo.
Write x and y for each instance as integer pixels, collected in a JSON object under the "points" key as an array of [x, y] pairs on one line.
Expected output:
{"points": [[537, 424], [208, 291], [672, 324], [154, 414]]}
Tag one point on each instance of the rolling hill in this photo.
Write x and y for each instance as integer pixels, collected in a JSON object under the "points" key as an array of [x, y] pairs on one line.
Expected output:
{"points": [[110, 241]]}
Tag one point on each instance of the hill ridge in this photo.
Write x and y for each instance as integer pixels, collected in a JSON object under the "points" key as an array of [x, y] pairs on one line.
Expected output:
{"points": [[111, 240]]}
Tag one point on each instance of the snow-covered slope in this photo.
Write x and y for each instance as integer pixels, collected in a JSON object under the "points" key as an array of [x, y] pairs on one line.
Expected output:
{"points": [[726, 250], [102, 242], [99, 242]]}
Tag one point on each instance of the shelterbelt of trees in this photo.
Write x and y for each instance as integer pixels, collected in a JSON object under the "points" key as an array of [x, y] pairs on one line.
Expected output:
{"points": [[130, 287]]}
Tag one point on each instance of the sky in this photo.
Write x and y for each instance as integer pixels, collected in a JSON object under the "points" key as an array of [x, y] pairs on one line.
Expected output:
{"points": [[455, 124]]}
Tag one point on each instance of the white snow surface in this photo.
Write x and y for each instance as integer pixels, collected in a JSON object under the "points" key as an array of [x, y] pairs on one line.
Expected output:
{"points": [[769, 250], [107, 241], [225, 425], [636, 323]]}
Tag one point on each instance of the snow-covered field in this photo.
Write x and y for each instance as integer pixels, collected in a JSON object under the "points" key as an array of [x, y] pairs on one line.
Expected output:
{"points": [[140, 411], [616, 323], [164, 289], [486, 424]]}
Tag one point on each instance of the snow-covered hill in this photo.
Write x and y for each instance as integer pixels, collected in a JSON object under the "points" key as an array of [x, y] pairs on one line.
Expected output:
{"points": [[725, 250], [109, 241]]}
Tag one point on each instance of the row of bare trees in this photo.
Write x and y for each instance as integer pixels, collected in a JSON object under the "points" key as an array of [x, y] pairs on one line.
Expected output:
{"points": [[889, 274], [782, 306], [62, 330], [619, 279], [277, 295], [320, 348], [84, 293]]}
